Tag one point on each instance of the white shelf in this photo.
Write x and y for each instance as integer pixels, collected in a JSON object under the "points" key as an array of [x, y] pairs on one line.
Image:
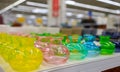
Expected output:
{"points": [[29, 29], [96, 64]]}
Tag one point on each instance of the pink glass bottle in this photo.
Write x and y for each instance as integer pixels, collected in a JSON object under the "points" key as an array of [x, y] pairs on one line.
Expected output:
{"points": [[42, 42], [53, 52]]}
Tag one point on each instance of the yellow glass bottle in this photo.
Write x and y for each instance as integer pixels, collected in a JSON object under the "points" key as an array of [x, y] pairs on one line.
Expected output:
{"points": [[20, 52]]}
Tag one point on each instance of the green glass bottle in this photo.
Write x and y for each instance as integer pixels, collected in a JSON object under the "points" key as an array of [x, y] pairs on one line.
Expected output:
{"points": [[77, 50], [107, 47]]}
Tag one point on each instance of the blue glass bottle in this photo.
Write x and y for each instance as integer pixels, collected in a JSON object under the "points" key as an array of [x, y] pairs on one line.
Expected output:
{"points": [[93, 50], [117, 46], [76, 49]]}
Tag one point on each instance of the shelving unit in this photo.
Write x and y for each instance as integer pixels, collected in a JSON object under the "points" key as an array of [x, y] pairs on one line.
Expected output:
{"points": [[96, 64], [29, 29]]}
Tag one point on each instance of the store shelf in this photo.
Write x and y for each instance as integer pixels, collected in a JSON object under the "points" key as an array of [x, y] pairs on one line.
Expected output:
{"points": [[96, 64], [29, 29]]}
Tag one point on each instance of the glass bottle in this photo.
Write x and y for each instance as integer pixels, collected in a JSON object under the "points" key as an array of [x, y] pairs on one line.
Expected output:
{"points": [[54, 52], [92, 48], [5, 45], [107, 47], [117, 46], [77, 50], [21, 55], [42, 42]]}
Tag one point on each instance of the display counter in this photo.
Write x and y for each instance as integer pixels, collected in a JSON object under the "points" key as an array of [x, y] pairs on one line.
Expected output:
{"points": [[29, 29], [96, 64]]}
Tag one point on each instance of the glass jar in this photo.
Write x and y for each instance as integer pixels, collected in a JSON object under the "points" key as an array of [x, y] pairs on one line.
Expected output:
{"points": [[54, 52], [117, 46], [5, 46], [107, 47], [42, 42], [21, 55], [92, 49], [25, 60], [77, 50]]}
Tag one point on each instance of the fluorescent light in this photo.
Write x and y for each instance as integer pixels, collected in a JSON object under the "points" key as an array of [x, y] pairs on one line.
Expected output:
{"points": [[110, 2], [79, 15], [19, 15], [12, 5], [118, 11], [32, 16], [69, 14], [37, 10], [36, 4], [30, 9], [20, 10], [23, 8], [70, 2], [90, 7], [44, 17]]}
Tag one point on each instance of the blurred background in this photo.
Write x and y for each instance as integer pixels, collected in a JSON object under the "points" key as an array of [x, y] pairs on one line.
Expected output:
{"points": [[70, 16]]}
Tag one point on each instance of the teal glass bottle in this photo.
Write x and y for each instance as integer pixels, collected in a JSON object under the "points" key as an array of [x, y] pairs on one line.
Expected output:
{"points": [[92, 48], [76, 49], [107, 47]]}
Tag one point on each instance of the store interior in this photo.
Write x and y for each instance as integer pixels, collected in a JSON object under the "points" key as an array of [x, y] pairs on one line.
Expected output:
{"points": [[59, 35]]}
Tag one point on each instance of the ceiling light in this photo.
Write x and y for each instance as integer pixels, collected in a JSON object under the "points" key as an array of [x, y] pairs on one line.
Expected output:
{"points": [[32, 16], [36, 4], [69, 14], [118, 11], [79, 15], [11, 6], [19, 15], [16, 9], [90, 7], [24, 8], [70, 2], [110, 2], [44, 18], [37, 10]]}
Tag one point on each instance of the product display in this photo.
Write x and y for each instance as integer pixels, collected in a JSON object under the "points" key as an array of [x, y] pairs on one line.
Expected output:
{"points": [[92, 49], [107, 47], [26, 53], [59, 35]]}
